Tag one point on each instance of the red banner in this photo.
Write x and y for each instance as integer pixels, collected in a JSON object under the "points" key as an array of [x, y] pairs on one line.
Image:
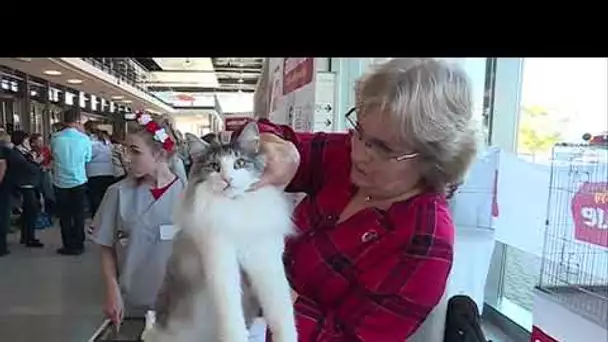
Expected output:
{"points": [[495, 211], [297, 72], [540, 336], [590, 213], [235, 122]]}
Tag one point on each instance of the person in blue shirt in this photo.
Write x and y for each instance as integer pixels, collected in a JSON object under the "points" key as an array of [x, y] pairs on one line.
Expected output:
{"points": [[71, 150]]}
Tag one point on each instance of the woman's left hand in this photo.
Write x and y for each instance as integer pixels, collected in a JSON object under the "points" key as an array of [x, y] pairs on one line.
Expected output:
{"points": [[282, 161]]}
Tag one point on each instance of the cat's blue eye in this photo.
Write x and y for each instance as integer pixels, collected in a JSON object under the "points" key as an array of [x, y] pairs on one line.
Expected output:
{"points": [[239, 163]]}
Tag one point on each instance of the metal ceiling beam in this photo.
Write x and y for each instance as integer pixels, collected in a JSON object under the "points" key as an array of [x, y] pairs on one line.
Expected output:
{"points": [[149, 64], [243, 70], [198, 90], [230, 80]]}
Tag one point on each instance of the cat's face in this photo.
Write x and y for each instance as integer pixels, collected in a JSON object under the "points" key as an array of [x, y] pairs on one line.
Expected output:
{"points": [[228, 169]]}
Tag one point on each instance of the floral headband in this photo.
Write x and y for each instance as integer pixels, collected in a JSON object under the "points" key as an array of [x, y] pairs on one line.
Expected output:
{"points": [[158, 132]]}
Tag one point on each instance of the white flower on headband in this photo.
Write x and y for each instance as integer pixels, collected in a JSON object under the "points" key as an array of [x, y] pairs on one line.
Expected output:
{"points": [[160, 135], [144, 119]]}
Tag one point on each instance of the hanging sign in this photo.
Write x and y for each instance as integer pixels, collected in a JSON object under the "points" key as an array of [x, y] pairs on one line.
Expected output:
{"points": [[540, 336], [232, 123], [297, 72]]}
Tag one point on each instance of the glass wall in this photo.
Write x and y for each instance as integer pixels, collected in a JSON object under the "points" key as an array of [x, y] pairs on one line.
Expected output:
{"points": [[539, 102]]}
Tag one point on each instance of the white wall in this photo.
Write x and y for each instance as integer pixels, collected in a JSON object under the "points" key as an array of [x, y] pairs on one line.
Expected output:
{"points": [[194, 124]]}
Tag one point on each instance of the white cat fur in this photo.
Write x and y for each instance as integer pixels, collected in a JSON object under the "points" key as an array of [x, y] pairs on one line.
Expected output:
{"points": [[236, 230]]}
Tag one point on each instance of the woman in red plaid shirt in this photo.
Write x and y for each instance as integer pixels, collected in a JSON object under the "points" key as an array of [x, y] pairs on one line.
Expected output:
{"points": [[375, 237]]}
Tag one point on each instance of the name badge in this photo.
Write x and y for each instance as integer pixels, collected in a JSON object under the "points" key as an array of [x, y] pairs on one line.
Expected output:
{"points": [[168, 231], [124, 242]]}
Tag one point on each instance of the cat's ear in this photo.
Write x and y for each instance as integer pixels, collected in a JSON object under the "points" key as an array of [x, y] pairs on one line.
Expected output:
{"points": [[249, 139], [196, 145]]}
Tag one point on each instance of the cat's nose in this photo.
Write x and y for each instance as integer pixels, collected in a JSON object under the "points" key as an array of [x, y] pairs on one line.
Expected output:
{"points": [[227, 179]]}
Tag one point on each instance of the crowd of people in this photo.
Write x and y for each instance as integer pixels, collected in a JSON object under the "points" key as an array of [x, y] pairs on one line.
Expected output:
{"points": [[64, 179], [375, 237]]}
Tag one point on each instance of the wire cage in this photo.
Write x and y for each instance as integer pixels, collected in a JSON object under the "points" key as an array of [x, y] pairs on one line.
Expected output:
{"points": [[574, 268]]}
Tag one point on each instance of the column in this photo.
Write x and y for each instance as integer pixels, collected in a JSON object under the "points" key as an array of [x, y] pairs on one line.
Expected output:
{"points": [[46, 114], [26, 106], [347, 70], [476, 71], [507, 98]]}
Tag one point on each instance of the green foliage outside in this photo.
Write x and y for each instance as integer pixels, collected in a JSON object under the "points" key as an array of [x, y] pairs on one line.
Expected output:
{"points": [[537, 132]]}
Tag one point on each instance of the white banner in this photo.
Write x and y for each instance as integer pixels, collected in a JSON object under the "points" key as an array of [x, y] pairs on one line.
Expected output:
{"points": [[523, 191], [574, 217]]}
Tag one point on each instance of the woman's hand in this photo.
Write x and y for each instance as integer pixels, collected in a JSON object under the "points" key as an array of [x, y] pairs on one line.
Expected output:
{"points": [[282, 161], [113, 307]]}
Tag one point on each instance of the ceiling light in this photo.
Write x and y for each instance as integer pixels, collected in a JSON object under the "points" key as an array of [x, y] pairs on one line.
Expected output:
{"points": [[240, 80], [127, 101], [74, 81], [52, 72], [117, 97], [24, 59]]}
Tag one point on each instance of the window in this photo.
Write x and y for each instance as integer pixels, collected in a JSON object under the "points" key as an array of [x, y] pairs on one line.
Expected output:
{"points": [[82, 99], [53, 95], [69, 98], [561, 99], [94, 102], [539, 102]]}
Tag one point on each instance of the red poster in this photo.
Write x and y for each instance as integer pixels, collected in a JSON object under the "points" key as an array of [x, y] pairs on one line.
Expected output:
{"points": [[297, 72], [540, 336], [590, 213], [233, 123], [495, 211]]}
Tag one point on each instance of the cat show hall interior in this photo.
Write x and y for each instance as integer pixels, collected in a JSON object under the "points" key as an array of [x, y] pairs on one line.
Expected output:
{"points": [[253, 199]]}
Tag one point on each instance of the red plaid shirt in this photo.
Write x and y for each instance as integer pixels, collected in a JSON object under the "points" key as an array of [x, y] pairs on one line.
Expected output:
{"points": [[374, 277]]}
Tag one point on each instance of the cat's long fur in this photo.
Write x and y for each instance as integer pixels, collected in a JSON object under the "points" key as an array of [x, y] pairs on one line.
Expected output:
{"points": [[227, 259]]}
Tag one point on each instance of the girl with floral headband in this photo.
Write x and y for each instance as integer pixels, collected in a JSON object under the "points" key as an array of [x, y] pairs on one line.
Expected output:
{"points": [[133, 225]]}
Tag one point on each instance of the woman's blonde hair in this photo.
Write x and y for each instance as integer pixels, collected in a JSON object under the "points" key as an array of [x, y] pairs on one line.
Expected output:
{"points": [[164, 121], [428, 104]]}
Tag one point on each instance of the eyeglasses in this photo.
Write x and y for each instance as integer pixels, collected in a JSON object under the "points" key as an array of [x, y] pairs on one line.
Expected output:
{"points": [[377, 148]]}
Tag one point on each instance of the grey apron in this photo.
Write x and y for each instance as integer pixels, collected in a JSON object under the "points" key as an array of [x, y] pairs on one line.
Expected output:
{"points": [[142, 251]]}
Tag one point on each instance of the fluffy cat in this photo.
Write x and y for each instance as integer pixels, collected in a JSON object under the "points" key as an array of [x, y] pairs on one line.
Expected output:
{"points": [[227, 258]]}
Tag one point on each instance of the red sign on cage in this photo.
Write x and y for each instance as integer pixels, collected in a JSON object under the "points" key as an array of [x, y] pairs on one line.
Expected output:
{"points": [[590, 213], [540, 336], [233, 123]]}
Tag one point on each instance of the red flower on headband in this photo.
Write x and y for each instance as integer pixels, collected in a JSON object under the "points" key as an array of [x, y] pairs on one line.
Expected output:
{"points": [[156, 130]]}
